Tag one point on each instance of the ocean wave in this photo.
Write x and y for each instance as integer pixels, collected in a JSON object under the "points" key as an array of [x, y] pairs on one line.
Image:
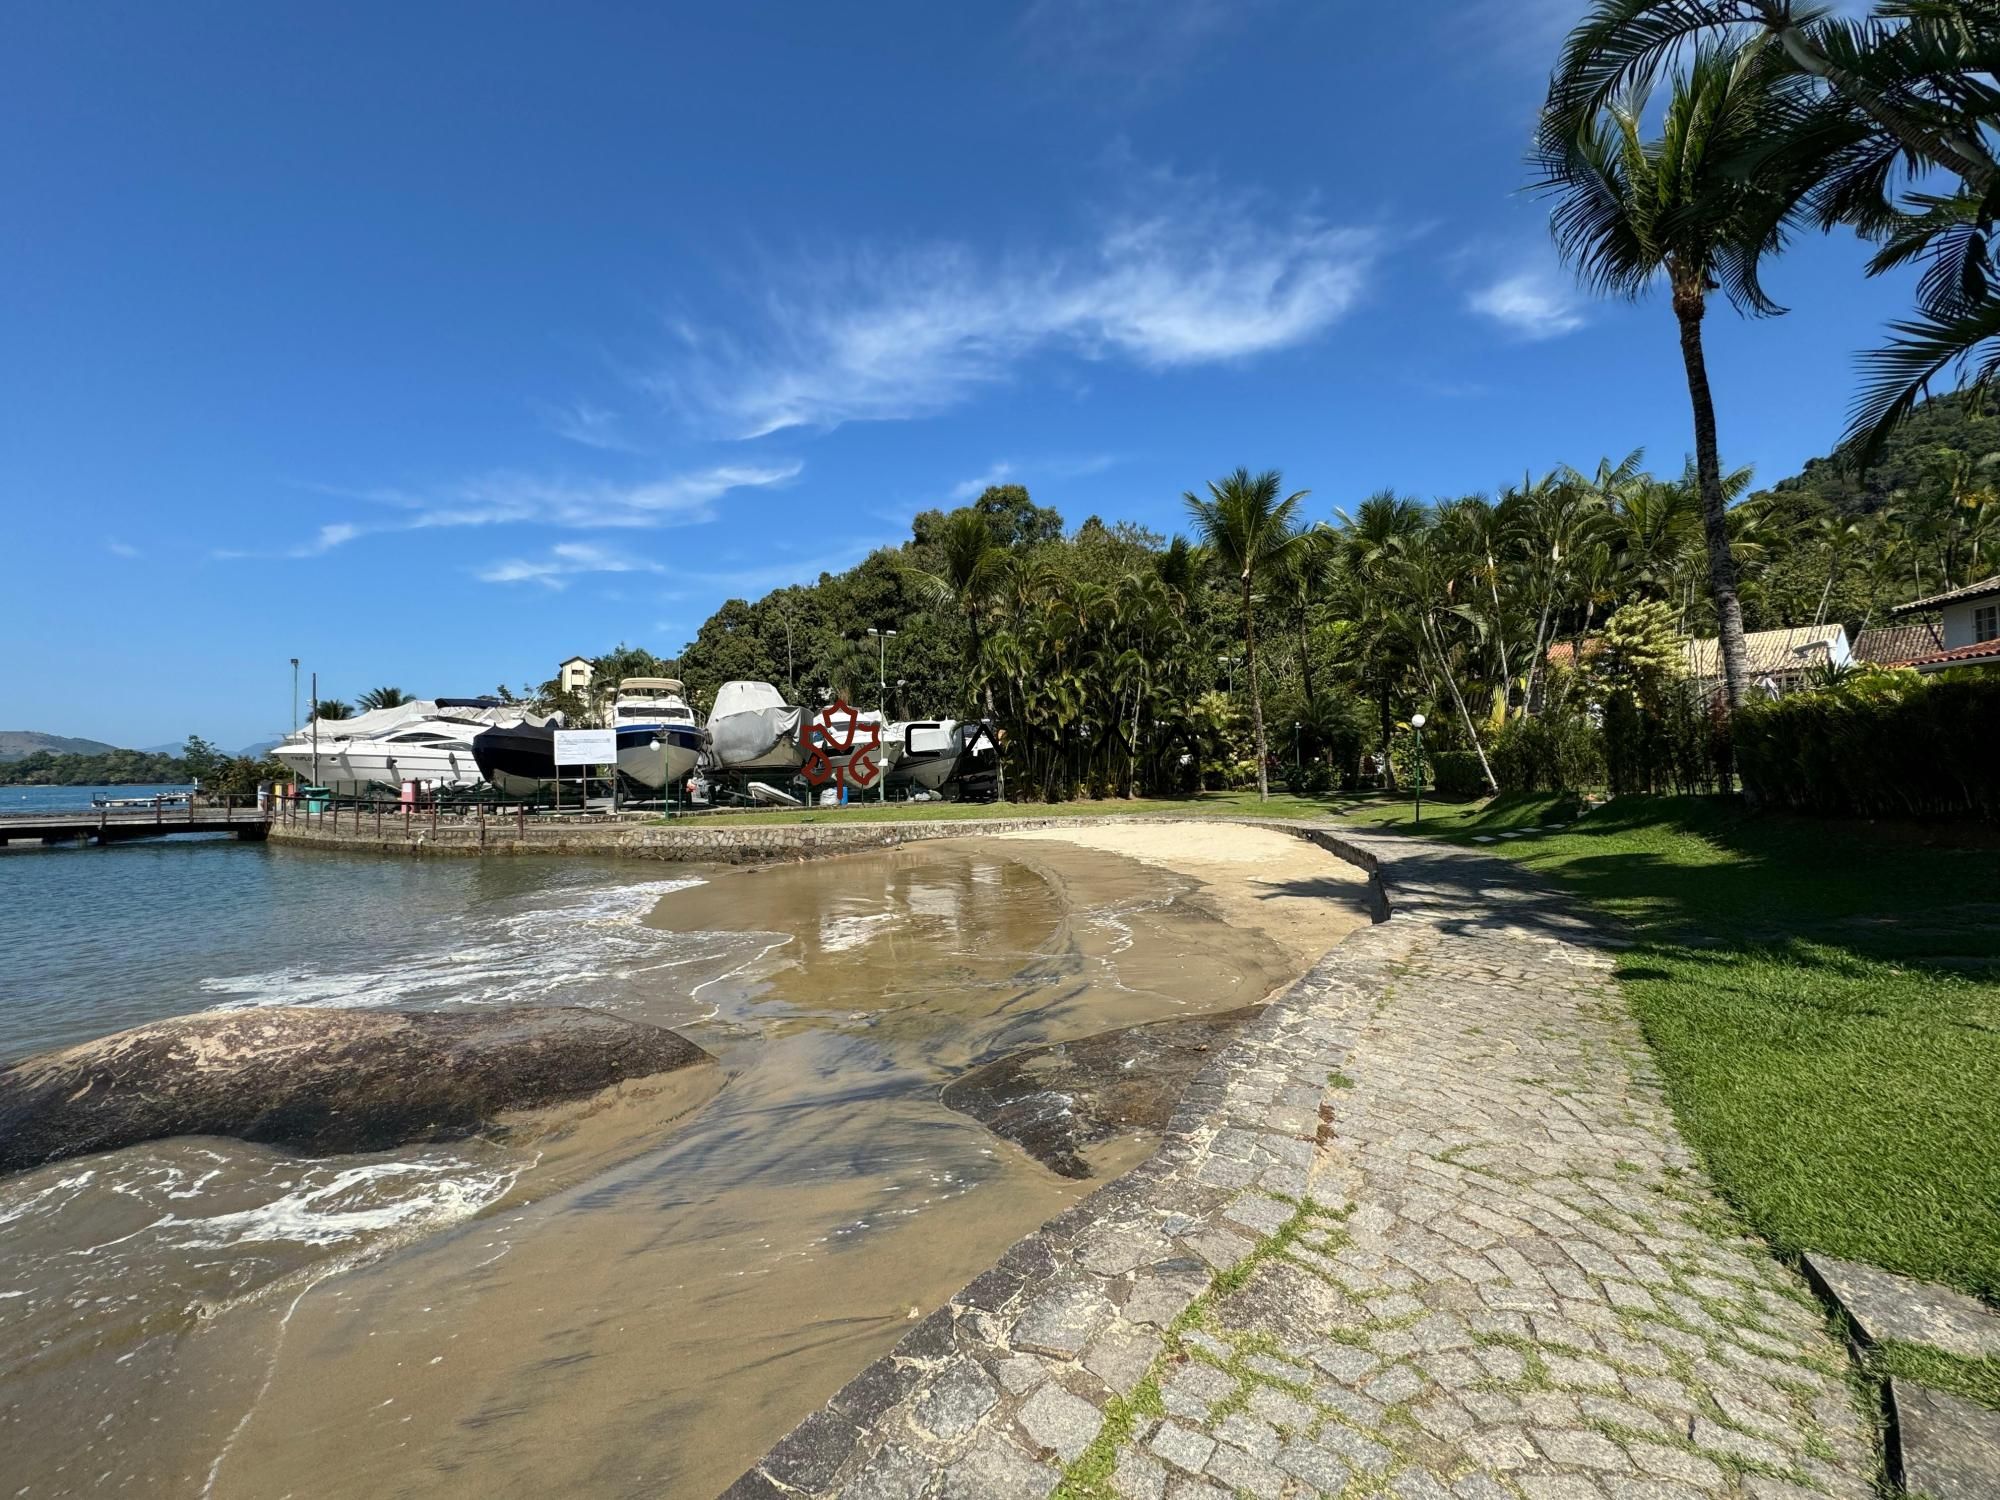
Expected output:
{"points": [[567, 940]]}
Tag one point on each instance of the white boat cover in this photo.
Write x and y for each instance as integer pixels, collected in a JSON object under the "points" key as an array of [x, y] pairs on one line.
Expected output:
{"points": [[749, 721]]}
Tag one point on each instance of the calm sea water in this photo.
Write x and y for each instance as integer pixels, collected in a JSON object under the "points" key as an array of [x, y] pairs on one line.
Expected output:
{"points": [[96, 940], [37, 799]]}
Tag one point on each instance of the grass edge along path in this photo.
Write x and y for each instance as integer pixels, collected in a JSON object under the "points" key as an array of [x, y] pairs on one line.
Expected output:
{"points": [[1823, 1000]]}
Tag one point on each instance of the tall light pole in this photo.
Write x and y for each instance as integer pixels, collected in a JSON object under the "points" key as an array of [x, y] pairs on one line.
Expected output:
{"points": [[882, 639], [1296, 762], [1417, 723], [295, 695], [315, 714]]}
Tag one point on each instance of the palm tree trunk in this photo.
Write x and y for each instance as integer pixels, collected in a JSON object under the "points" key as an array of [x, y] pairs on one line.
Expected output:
{"points": [[1458, 698], [1256, 693], [1305, 658], [1388, 738], [992, 719], [1689, 305]]}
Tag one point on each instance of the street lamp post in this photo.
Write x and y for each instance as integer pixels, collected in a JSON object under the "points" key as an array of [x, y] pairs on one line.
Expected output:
{"points": [[1296, 762], [295, 695], [883, 641], [1417, 723]]}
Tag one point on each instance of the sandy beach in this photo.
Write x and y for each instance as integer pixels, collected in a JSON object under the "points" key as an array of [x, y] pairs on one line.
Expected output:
{"points": [[673, 1280]]}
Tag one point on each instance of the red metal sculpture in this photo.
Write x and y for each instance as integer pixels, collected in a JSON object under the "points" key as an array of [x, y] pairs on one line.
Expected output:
{"points": [[846, 749]]}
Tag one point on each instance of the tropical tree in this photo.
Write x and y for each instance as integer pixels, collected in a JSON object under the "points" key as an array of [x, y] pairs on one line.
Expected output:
{"points": [[382, 697], [972, 570], [1887, 104], [1688, 209], [331, 708], [1252, 533]]}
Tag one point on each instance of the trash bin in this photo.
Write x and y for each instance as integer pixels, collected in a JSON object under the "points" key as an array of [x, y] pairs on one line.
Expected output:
{"points": [[318, 798]]}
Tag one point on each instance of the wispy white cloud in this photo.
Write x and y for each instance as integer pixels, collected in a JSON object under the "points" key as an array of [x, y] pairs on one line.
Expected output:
{"points": [[1200, 275], [592, 426], [972, 489], [564, 561], [1531, 304], [570, 504], [121, 549]]}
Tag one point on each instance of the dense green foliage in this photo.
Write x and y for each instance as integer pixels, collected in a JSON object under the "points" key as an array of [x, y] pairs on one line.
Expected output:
{"points": [[112, 768], [1822, 998], [1878, 744], [218, 774]]}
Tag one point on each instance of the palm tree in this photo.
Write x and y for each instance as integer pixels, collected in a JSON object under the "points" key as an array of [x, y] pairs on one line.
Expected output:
{"points": [[331, 708], [974, 567], [1251, 531], [382, 697], [1683, 208], [1882, 105]]}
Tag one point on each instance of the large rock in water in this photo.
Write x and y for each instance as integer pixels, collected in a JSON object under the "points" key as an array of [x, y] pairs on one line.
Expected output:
{"points": [[319, 1080], [1055, 1101]]}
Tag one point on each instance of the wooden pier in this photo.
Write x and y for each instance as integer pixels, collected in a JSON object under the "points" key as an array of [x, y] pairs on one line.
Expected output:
{"points": [[109, 825]]}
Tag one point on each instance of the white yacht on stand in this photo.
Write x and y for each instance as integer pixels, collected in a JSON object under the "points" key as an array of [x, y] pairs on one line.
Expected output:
{"points": [[659, 742], [426, 741]]}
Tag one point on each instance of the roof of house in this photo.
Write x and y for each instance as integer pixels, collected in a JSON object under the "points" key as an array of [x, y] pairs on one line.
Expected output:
{"points": [[1563, 653], [1768, 652], [1956, 596], [1898, 645], [569, 660], [1977, 654]]}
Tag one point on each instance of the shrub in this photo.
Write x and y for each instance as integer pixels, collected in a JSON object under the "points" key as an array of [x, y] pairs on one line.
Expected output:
{"points": [[1313, 779], [1555, 752], [1676, 743], [1456, 774], [1881, 745]]}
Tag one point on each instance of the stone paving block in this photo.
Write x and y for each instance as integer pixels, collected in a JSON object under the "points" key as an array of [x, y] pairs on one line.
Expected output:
{"points": [[1182, 1446], [1949, 1448], [1322, 1470], [1121, 1355], [995, 1469], [1061, 1321], [952, 1404], [1887, 1306], [1054, 1419], [1139, 1476]]}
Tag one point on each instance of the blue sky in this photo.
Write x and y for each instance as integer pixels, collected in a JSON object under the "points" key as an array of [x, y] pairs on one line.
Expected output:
{"points": [[434, 343]]}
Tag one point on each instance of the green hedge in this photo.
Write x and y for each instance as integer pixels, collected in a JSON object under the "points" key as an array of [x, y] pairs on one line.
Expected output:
{"points": [[1555, 752], [1886, 745], [1456, 774]]}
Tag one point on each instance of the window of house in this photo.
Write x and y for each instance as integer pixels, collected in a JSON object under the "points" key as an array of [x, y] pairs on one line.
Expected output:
{"points": [[1986, 622]]}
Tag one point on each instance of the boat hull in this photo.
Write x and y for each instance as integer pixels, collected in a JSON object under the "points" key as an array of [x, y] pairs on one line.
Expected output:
{"points": [[520, 760], [657, 756]]}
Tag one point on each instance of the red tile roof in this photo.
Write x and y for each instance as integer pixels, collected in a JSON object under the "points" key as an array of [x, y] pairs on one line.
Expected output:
{"points": [[1960, 656], [1897, 645]]}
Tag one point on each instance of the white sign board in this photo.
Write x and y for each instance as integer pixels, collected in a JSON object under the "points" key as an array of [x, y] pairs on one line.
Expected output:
{"points": [[586, 747]]}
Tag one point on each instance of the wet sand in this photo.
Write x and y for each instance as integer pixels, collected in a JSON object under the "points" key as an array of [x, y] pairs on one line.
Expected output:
{"points": [[679, 1281]]}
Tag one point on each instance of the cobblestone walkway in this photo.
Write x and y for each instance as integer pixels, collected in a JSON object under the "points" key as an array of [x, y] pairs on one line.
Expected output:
{"points": [[1425, 1231]]}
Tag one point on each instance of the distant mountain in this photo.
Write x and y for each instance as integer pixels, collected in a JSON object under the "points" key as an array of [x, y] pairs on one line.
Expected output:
{"points": [[16, 743], [259, 750], [1961, 421]]}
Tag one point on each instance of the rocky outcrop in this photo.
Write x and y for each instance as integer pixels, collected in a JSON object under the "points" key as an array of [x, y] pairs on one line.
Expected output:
{"points": [[1055, 1101], [319, 1080]]}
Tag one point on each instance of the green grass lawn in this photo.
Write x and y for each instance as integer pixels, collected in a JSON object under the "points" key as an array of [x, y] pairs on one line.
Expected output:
{"points": [[1824, 1002]]}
